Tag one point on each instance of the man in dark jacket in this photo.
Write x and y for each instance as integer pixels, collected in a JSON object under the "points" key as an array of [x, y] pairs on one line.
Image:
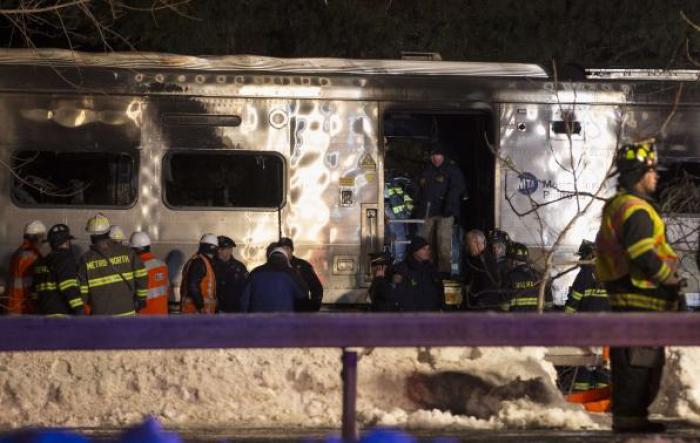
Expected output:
{"points": [[381, 291], [56, 277], [231, 276], [418, 286], [482, 277], [306, 271], [441, 186], [275, 286]]}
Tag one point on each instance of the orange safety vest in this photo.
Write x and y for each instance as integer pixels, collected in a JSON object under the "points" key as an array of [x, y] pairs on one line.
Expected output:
{"points": [[157, 298], [207, 288], [19, 287], [614, 262]]}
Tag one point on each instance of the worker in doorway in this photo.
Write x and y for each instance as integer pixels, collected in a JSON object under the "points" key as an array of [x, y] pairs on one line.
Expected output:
{"points": [[306, 271], [481, 276], [117, 235], [498, 243], [398, 206], [381, 290], [587, 293], [231, 276], [19, 283], [275, 286], [639, 270], [158, 284], [522, 282], [112, 277], [56, 277], [441, 187], [418, 286], [198, 287]]}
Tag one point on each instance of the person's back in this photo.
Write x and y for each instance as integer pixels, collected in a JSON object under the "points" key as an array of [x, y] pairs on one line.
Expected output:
{"points": [[231, 277], [158, 284], [522, 284], [113, 279], [274, 287], [56, 284], [587, 293]]}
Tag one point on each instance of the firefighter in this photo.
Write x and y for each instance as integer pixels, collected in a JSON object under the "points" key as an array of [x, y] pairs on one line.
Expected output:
{"points": [[19, 299], [498, 242], [158, 284], [306, 271], [638, 269], [398, 205], [381, 291], [522, 282], [231, 276], [587, 294], [112, 277], [56, 277], [198, 287], [441, 187]]}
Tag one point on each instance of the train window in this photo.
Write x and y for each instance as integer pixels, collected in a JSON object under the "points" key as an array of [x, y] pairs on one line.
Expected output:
{"points": [[231, 179], [80, 179]]}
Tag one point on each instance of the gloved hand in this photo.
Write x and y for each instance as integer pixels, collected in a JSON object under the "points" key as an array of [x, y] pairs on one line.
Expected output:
{"points": [[139, 304]]}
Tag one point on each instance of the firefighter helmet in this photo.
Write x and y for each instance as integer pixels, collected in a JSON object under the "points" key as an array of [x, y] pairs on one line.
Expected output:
{"points": [[586, 248], [139, 240], [498, 236], [97, 225], [116, 233], [636, 157], [226, 242], [35, 227], [517, 251], [59, 234]]}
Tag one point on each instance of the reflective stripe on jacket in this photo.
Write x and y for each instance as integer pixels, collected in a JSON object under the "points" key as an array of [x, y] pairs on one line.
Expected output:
{"points": [[207, 287], [157, 302], [629, 286], [56, 284]]}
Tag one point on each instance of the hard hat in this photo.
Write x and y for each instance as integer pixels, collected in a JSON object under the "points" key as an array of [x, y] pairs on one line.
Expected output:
{"points": [[226, 242], [116, 233], [209, 239], [517, 251], [139, 240], [279, 250], [636, 158], [58, 234], [35, 227], [587, 247], [97, 225]]}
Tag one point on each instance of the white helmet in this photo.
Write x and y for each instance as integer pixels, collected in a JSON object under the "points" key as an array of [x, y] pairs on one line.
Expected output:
{"points": [[97, 225], [139, 240], [35, 227], [116, 233], [209, 239]]}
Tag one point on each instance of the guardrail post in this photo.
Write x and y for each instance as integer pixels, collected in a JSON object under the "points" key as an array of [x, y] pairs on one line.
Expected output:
{"points": [[349, 376]]}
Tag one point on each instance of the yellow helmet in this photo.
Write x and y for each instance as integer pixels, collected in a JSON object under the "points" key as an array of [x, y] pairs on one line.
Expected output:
{"points": [[97, 225]]}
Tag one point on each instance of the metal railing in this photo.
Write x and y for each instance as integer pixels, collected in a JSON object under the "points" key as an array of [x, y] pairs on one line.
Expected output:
{"points": [[348, 331]]}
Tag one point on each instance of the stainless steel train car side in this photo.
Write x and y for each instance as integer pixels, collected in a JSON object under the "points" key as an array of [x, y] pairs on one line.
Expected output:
{"points": [[312, 133]]}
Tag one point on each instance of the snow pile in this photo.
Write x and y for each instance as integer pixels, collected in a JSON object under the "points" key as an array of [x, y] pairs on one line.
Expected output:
{"points": [[680, 385], [300, 387]]}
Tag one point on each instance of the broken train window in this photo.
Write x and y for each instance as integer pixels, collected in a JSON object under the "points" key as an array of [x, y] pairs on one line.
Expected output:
{"points": [[72, 178], [230, 179]]}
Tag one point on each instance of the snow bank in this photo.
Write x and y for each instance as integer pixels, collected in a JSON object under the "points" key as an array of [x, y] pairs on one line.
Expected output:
{"points": [[267, 388], [680, 386]]}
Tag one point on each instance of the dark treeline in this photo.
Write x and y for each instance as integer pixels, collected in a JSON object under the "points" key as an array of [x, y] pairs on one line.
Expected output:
{"points": [[591, 33]]}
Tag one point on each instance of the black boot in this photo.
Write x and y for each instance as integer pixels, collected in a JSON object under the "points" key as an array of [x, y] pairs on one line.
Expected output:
{"points": [[637, 425]]}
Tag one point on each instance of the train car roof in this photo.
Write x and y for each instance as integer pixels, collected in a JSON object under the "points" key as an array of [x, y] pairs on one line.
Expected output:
{"points": [[256, 63]]}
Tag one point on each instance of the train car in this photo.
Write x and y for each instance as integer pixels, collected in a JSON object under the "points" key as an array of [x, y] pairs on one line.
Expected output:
{"points": [[257, 148]]}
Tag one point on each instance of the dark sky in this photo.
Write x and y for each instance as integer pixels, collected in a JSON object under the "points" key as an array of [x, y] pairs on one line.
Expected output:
{"points": [[640, 33]]}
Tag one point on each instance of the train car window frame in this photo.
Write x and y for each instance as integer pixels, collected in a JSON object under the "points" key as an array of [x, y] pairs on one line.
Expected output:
{"points": [[133, 152], [175, 151]]}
